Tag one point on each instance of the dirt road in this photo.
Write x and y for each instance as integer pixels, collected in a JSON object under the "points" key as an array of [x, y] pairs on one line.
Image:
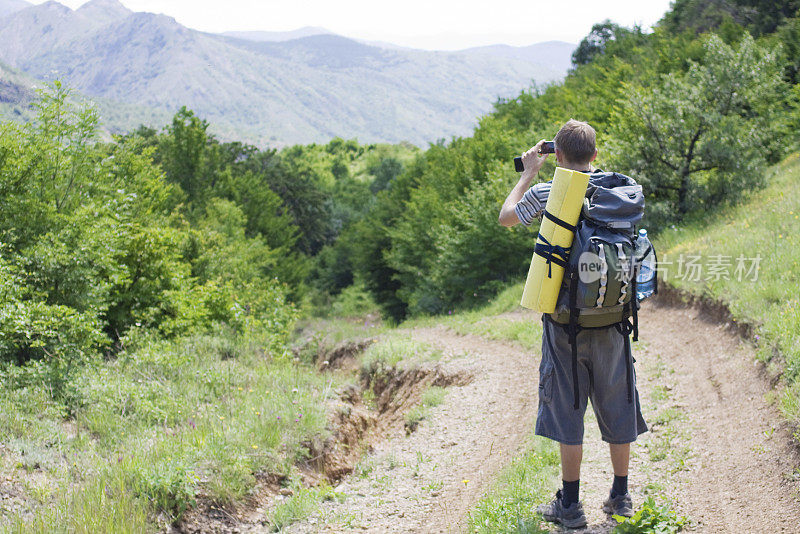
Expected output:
{"points": [[717, 448]]}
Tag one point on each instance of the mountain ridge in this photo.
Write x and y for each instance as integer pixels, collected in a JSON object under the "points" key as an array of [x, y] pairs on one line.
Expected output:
{"points": [[7, 7], [302, 90]]}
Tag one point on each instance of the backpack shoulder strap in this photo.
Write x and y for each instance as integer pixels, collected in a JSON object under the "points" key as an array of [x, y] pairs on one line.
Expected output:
{"points": [[573, 332]]}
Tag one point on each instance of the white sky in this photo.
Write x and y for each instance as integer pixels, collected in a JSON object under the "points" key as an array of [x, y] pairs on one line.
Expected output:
{"points": [[431, 24]]}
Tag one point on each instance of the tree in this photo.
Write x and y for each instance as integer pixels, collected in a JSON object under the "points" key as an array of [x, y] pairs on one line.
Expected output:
{"points": [[760, 17], [385, 172], [690, 137], [184, 153], [595, 43]]}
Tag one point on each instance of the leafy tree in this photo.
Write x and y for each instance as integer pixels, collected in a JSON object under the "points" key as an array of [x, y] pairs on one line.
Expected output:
{"points": [[385, 172], [596, 42], [474, 257], [691, 137], [184, 156], [759, 17]]}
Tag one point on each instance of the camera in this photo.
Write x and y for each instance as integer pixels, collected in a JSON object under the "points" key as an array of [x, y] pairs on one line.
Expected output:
{"points": [[547, 148]]}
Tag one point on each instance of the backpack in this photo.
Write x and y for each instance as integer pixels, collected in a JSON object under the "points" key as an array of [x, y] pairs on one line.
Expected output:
{"points": [[599, 286]]}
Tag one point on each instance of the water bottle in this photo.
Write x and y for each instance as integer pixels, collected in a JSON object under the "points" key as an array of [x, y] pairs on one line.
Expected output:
{"points": [[646, 279]]}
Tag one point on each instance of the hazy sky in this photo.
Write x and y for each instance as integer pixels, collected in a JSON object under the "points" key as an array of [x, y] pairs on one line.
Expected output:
{"points": [[417, 23]]}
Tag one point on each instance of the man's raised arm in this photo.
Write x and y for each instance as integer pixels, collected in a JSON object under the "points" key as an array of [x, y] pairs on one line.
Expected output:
{"points": [[532, 162]]}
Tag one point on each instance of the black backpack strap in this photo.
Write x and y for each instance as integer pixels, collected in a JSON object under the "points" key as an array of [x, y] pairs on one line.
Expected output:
{"points": [[573, 333], [655, 274], [634, 304], [625, 328]]}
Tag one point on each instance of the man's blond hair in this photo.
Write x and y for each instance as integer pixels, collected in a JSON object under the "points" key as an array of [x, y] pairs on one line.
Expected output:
{"points": [[576, 141]]}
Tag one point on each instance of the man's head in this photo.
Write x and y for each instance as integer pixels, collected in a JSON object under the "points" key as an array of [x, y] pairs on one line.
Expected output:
{"points": [[574, 145]]}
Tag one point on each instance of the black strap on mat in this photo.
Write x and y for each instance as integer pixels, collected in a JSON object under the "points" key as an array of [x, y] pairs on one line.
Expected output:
{"points": [[561, 222], [551, 253]]}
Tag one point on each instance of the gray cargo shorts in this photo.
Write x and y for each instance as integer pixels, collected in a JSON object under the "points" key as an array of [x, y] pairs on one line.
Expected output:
{"points": [[602, 377]]}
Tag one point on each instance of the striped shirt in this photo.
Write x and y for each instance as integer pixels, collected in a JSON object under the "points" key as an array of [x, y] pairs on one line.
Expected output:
{"points": [[532, 204]]}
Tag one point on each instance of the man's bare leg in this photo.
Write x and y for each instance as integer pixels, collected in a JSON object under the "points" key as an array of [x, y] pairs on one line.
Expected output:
{"points": [[620, 457], [571, 456]]}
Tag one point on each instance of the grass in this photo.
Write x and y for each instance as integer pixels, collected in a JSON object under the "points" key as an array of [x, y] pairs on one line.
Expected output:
{"points": [[484, 322], [394, 350], [766, 225], [505, 301], [527, 333], [524, 484], [303, 503], [155, 427], [431, 397]]}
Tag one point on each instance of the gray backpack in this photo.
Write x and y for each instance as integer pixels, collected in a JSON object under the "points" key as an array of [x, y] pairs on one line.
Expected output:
{"points": [[599, 287]]}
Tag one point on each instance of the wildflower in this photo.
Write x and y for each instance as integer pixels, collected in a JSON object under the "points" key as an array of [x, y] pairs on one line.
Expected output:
{"points": [[465, 481], [294, 390], [255, 446], [250, 390], [279, 417], [221, 417]]}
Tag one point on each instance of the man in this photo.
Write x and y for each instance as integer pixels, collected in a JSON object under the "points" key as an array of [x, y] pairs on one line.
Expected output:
{"points": [[601, 357]]}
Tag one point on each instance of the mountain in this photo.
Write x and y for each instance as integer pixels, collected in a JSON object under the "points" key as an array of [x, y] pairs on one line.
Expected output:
{"points": [[15, 88], [555, 55], [306, 31], [8, 7], [265, 92]]}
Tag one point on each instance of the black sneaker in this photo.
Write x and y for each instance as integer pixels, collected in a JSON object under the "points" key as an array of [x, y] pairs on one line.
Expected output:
{"points": [[619, 505], [571, 517]]}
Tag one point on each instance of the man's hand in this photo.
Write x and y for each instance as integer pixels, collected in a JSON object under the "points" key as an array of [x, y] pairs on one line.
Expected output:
{"points": [[533, 161]]}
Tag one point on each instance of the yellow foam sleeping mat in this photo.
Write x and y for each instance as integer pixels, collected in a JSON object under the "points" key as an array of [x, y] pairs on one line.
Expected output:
{"points": [[555, 237]]}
